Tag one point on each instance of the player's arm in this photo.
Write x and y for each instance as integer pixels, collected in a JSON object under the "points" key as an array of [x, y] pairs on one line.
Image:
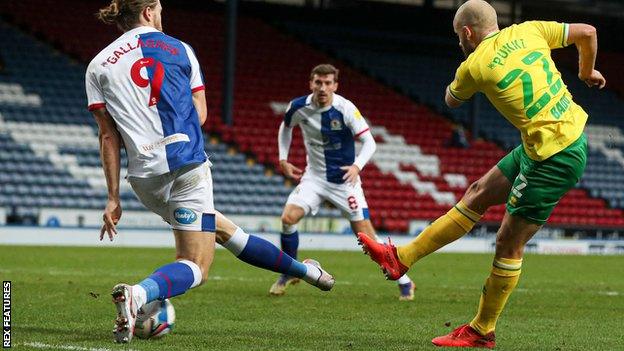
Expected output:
{"points": [[199, 100], [369, 146], [196, 81], [585, 38], [361, 131], [461, 88], [284, 139], [451, 101], [110, 147]]}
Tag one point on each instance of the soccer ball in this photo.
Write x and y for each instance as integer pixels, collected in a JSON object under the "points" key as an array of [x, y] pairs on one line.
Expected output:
{"points": [[154, 320]]}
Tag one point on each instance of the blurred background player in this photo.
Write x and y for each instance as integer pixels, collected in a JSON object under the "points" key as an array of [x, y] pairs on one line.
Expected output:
{"points": [[330, 124], [513, 68], [146, 90]]}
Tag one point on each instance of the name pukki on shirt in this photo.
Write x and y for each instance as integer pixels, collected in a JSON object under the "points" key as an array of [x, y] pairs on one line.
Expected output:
{"points": [[503, 52]]}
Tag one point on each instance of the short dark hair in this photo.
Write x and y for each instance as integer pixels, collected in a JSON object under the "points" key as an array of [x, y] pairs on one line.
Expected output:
{"points": [[324, 69]]}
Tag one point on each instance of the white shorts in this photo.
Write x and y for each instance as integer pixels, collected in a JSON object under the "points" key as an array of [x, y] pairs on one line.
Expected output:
{"points": [[183, 198], [312, 190]]}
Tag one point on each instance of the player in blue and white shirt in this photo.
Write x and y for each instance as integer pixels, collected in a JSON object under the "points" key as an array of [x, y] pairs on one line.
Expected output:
{"points": [[330, 124], [146, 90]]}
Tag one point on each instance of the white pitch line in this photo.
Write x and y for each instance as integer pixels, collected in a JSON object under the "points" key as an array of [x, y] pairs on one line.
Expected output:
{"points": [[40, 345]]}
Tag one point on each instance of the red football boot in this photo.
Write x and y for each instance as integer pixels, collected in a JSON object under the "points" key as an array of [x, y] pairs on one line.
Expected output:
{"points": [[385, 255], [466, 336]]}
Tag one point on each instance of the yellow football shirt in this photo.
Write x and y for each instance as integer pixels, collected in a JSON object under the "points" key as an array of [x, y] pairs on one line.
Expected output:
{"points": [[513, 68]]}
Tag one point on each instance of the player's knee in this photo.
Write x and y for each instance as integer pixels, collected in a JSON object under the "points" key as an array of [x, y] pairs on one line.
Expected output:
{"points": [[506, 249], [222, 236], [289, 219], [476, 197], [474, 190]]}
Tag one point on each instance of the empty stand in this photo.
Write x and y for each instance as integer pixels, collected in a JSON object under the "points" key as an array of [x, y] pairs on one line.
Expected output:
{"points": [[414, 175]]}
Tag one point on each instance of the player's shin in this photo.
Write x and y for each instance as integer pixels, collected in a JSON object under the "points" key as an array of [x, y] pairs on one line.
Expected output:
{"points": [[167, 281], [263, 254], [498, 286], [446, 229]]}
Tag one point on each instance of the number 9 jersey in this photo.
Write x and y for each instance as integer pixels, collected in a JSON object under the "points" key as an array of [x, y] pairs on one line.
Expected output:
{"points": [[146, 80], [513, 68]]}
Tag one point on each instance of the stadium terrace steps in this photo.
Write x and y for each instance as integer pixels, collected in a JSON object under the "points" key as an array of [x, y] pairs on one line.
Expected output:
{"points": [[398, 69], [418, 184], [49, 150]]}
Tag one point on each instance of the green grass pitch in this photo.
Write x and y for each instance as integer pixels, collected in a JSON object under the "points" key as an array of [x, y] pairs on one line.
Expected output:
{"points": [[61, 300]]}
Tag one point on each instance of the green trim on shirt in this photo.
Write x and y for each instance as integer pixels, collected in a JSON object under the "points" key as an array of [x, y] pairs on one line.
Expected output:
{"points": [[566, 32]]}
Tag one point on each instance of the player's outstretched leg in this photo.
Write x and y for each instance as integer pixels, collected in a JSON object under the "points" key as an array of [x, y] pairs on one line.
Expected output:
{"points": [[395, 261], [263, 254], [289, 239], [404, 283], [458, 221], [167, 281], [491, 189], [385, 255]]}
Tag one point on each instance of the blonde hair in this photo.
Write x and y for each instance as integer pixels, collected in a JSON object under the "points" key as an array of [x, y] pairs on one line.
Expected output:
{"points": [[124, 13], [325, 69]]}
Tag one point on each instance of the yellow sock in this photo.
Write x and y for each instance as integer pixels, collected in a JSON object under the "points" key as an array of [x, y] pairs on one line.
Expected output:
{"points": [[498, 286], [448, 228]]}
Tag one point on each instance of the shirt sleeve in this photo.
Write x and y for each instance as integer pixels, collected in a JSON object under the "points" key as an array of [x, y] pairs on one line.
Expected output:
{"points": [[368, 149], [463, 87], [355, 121], [197, 79], [555, 33], [95, 96], [284, 138], [290, 117]]}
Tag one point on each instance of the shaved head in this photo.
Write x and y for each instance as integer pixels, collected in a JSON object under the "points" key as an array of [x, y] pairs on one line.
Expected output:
{"points": [[473, 21], [477, 14]]}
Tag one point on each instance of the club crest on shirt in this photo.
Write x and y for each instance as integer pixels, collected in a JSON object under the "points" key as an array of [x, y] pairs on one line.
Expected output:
{"points": [[335, 124]]}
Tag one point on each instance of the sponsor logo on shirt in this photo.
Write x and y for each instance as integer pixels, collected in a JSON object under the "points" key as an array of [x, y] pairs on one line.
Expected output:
{"points": [[173, 138], [327, 144], [184, 215], [335, 124]]}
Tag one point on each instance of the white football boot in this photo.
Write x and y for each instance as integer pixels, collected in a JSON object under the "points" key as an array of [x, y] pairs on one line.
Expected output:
{"points": [[325, 281], [126, 313]]}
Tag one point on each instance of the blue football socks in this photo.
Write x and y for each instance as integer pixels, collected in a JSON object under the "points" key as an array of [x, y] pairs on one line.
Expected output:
{"points": [[263, 254], [171, 280]]}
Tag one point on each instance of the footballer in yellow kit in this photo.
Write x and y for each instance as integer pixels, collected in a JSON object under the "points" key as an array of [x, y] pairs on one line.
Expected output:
{"points": [[513, 68]]}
